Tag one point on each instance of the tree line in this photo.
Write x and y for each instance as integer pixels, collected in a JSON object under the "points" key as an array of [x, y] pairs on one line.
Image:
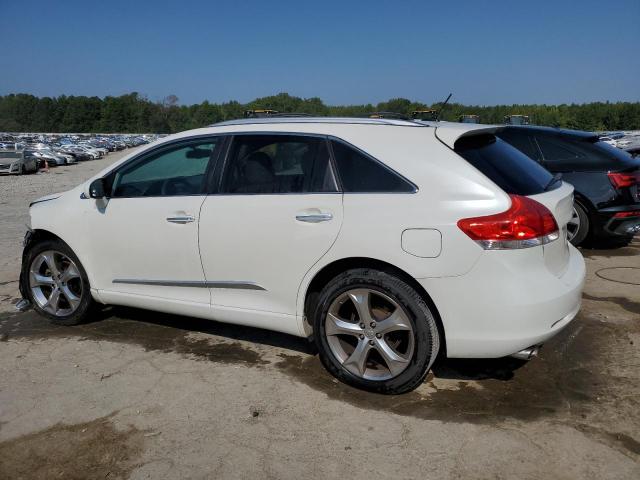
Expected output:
{"points": [[135, 113]]}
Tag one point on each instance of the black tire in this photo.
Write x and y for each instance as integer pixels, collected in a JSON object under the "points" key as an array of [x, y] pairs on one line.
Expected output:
{"points": [[426, 336], [585, 225], [87, 304]]}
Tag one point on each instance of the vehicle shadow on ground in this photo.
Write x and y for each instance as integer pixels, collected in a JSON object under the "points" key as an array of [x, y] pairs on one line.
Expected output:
{"points": [[456, 369], [612, 248], [174, 333]]}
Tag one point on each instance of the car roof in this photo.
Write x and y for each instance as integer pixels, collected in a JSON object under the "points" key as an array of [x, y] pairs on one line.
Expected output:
{"points": [[447, 132]]}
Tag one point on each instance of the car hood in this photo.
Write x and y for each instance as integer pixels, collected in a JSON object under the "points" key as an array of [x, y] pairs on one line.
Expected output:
{"points": [[46, 198]]}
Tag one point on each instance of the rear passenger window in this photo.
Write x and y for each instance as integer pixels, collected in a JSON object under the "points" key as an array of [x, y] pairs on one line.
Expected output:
{"points": [[360, 173], [505, 165], [279, 164]]}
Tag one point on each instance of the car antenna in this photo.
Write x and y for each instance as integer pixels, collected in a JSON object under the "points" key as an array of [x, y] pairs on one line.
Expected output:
{"points": [[444, 104]]}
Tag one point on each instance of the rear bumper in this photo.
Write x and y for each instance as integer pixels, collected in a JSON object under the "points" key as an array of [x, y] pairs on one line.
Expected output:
{"points": [[506, 303], [626, 226]]}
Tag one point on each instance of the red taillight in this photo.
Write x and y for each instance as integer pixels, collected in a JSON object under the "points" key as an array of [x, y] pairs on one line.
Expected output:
{"points": [[635, 213], [527, 223], [622, 180]]}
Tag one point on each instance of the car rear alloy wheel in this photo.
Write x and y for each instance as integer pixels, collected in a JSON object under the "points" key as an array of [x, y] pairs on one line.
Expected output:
{"points": [[56, 283], [369, 334], [573, 226], [375, 331], [578, 225]]}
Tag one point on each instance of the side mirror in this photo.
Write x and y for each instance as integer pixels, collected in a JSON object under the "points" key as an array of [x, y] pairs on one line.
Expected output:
{"points": [[97, 189]]}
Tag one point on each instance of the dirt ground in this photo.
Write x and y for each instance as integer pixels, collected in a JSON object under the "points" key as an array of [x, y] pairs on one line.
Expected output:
{"points": [[136, 394]]}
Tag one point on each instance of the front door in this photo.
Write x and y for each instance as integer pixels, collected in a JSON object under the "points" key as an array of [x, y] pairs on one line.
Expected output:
{"points": [[145, 235]]}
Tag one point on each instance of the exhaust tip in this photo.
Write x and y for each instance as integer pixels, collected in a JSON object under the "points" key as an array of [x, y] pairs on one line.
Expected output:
{"points": [[527, 353], [23, 305]]}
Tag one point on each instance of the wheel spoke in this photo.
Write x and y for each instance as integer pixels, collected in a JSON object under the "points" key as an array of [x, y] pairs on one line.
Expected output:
{"points": [[360, 299], [53, 301], [396, 321], [50, 259], [70, 273], [72, 298], [395, 363], [41, 280], [358, 359], [337, 326]]}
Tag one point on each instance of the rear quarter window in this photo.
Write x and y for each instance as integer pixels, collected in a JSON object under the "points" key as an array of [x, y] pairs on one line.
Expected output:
{"points": [[506, 166], [361, 173]]}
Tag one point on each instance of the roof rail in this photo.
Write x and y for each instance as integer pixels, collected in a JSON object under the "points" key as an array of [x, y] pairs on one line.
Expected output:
{"points": [[326, 120], [290, 114], [394, 115]]}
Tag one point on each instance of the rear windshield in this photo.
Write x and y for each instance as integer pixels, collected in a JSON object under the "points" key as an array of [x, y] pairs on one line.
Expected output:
{"points": [[506, 166], [568, 154]]}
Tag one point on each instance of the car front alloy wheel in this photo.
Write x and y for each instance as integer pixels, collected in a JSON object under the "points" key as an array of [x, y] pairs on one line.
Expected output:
{"points": [[56, 282]]}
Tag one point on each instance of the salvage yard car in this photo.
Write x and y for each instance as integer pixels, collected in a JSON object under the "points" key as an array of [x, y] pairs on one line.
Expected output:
{"points": [[606, 180], [14, 162], [388, 242]]}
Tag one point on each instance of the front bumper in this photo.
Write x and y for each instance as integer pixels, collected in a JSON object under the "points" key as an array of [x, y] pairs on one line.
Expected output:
{"points": [[502, 307], [9, 168]]}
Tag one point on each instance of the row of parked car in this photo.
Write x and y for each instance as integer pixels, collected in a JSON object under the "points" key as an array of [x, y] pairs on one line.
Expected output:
{"points": [[24, 154]]}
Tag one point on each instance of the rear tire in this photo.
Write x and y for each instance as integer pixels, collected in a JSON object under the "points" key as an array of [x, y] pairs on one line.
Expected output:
{"points": [[56, 283], [375, 332], [580, 224]]}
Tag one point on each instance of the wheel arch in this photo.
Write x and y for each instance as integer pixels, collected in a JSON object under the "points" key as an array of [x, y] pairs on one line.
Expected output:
{"points": [[35, 236], [335, 268]]}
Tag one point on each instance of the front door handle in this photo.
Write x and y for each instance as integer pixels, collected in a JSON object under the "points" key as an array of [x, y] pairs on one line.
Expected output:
{"points": [[181, 219], [314, 217]]}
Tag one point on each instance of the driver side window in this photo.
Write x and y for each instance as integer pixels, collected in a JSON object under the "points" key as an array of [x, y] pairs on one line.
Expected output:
{"points": [[176, 171]]}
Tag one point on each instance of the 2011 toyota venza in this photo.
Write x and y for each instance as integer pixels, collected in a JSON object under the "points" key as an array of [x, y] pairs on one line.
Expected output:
{"points": [[388, 242]]}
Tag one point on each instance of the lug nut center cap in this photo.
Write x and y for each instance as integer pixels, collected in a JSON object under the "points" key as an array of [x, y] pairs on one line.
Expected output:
{"points": [[369, 333]]}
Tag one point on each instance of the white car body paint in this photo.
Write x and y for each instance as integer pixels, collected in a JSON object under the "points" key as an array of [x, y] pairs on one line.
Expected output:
{"points": [[491, 303]]}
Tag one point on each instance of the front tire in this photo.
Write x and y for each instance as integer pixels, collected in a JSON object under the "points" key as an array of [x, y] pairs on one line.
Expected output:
{"points": [[57, 284], [375, 332]]}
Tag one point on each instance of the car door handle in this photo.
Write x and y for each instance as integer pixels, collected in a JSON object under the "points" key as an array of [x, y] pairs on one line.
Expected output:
{"points": [[314, 217], [181, 219]]}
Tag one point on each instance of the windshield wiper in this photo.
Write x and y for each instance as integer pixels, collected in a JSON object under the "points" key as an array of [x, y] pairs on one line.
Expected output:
{"points": [[556, 178]]}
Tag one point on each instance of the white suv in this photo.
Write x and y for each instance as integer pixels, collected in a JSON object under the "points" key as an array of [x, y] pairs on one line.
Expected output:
{"points": [[388, 242]]}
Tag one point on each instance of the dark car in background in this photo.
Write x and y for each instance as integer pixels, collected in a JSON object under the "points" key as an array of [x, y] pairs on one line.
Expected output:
{"points": [[606, 180]]}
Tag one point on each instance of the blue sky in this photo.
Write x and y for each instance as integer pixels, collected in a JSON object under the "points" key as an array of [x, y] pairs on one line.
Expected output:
{"points": [[485, 52]]}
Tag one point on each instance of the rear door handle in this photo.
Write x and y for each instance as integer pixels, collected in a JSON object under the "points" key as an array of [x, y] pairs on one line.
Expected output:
{"points": [[181, 219], [314, 217]]}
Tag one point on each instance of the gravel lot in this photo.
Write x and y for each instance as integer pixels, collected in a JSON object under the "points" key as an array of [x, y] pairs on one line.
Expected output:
{"points": [[136, 394]]}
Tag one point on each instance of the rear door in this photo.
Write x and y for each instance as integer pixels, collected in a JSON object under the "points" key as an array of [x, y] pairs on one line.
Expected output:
{"points": [[277, 210]]}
